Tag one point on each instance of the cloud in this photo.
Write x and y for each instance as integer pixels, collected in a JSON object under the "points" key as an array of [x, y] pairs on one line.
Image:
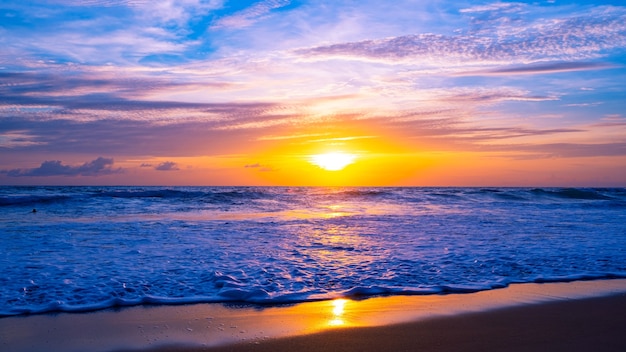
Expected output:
{"points": [[584, 105], [105, 32], [167, 166], [578, 37], [486, 95], [84, 96], [87, 86], [451, 131], [17, 139], [251, 15], [102, 3], [561, 150], [495, 8], [612, 120], [260, 167], [138, 128], [137, 138], [274, 137], [540, 68], [98, 167]]}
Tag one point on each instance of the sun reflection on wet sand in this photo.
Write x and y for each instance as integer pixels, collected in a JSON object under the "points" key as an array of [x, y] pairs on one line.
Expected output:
{"points": [[338, 312]]}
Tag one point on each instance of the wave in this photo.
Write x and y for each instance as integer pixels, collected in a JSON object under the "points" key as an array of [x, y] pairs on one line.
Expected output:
{"points": [[350, 192], [573, 193], [32, 200], [540, 195], [366, 193], [78, 194], [241, 295], [238, 195], [513, 195], [185, 194]]}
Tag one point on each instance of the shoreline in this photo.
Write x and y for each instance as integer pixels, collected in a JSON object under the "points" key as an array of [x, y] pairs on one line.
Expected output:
{"points": [[395, 319], [586, 324]]}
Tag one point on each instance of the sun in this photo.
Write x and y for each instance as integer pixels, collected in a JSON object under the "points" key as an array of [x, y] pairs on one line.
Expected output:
{"points": [[333, 161]]}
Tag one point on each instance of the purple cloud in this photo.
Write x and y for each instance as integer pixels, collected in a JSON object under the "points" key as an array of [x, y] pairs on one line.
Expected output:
{"points": [[167, 166], [542, 68], [578, 37], [97, 167]]}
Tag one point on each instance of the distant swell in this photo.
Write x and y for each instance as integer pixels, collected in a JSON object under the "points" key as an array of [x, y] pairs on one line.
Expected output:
{"points": [[571, 193], [218, 195], [32, 200]]}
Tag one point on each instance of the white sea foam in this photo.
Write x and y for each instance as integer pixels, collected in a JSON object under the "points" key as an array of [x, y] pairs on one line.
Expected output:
{"points": [[89, 248]]}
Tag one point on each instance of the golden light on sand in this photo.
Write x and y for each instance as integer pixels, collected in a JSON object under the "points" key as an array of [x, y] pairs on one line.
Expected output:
{"points": [[333, 161], [338, 307], [338, 310]]}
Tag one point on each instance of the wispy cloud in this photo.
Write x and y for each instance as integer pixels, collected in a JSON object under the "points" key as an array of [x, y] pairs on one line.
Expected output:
{"points": [[495, 10], [119, 32], [577, 37], [613, 120], [91, 97], [126, 137], [291, 136], [583, 105], [17, 139], [540, 68], [250, 15], [560, 150], [260, 167]]}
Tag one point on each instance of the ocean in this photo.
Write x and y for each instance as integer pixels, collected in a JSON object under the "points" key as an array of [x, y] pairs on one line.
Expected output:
{"points": [[92, 248]]}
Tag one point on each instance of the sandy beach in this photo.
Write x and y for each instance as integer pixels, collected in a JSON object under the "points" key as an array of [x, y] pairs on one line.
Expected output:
{"points": [[595, 324], [576, 316]]}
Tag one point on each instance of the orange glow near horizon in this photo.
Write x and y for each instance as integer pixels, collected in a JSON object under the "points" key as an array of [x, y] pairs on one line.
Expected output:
{"points": [[343, 160], [369, 170], [349, 156]]}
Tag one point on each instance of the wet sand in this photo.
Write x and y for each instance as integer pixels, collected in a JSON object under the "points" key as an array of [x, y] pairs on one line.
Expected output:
{"points": [[577, 316], [596, 324]]}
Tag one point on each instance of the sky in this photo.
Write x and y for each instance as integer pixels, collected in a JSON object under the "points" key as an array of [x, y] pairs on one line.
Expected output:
{"points": [[220, 92]]}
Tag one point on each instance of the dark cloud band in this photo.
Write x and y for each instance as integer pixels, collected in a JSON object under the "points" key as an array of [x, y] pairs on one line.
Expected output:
{"points": [[97, 167]]}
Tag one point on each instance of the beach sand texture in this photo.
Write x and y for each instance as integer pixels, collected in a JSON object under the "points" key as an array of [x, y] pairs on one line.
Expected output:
{"points": [[576, 316], [595, 324]]}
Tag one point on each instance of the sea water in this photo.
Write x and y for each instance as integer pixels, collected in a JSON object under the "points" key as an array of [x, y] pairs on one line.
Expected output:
{"points": [[90, 248]]}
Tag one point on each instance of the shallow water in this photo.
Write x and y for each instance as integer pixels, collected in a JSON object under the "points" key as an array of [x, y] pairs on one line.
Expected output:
{"points": [[89, 248]]}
